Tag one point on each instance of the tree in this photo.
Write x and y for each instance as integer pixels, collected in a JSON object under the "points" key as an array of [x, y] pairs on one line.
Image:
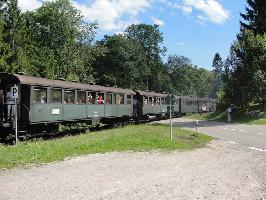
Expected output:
{"points": [[188, 79], [151, 40], [123, 62], [9, 13], [246, 83], [217, 64], [56, 42], [217, 83], [255, 17], [244, 76]]}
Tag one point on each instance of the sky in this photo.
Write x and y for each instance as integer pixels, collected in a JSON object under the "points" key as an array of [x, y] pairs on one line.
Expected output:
{"points": [[196, 29]]}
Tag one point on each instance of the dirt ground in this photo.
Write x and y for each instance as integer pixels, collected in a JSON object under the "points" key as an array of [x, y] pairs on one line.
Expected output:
{"points": [[219, 171]]}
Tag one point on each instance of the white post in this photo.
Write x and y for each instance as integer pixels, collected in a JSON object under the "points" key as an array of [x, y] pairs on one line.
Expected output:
{"points": [[197, 126], [171, 128], [229, 118]]}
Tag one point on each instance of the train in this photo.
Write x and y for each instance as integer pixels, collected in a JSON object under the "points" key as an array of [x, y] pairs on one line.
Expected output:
{"points": [[43, 104]]}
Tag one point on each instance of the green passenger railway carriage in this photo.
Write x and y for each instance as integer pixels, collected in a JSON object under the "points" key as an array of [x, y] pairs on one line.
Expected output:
{"points": [[43, 104]]}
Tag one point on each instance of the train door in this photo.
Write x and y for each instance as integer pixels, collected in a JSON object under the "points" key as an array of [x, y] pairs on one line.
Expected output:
{"points": [[137, 105], [2, 103]]}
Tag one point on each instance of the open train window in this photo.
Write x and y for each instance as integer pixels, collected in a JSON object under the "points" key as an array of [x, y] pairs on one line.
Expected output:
{"points": [[151, 99], [39, 95], [162, 101], [109, 98], [81, 97], [158, 100], [145, 101], [100, 98], [128, 99], [56, 96], [91, 97], [120, 99], [69, 96]]}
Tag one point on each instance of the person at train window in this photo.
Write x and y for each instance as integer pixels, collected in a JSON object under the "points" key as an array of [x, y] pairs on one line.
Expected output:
{"points": [[90, 98], [43, 99], [2, 101], [100, 99], [10, 104], [145, 101]]}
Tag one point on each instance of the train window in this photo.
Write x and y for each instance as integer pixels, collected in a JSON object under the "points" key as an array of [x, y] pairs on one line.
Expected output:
{"points": [[81, 97], [69, 96], [128, 99], [109, 98], [145, 101], [56, 96], [157, 100], [120, 99], [100, 98], [91, 97], [162, 101], [40, 95], [151, 99]]}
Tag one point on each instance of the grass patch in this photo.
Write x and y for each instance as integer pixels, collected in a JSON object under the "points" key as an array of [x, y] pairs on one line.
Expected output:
{"points": [[134, 137], [243, 118]]}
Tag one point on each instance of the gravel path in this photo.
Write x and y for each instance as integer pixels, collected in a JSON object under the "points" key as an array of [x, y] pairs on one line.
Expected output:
{"points": [[220, 171]]}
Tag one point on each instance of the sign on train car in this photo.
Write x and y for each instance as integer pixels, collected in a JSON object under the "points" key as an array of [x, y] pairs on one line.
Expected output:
{"points": [[14, 92]]}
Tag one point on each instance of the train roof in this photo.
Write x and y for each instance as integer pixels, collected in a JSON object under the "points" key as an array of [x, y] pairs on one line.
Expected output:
{"points": [[30, 80], [195, 98], [154, 94]]}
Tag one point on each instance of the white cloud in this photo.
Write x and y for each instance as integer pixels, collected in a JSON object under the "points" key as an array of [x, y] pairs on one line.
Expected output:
{"points": [[111, 15], [108, 13], [174, 5], [186, 10], [157, 21], [202, 18], [28, 5], [211, 10], [181, 44]]}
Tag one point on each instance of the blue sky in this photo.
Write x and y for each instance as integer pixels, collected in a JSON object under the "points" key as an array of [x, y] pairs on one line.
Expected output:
{"points": [[193, 28]]}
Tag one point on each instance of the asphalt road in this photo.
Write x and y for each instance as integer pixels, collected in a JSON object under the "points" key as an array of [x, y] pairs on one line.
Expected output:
{"points": [[252, 136]]}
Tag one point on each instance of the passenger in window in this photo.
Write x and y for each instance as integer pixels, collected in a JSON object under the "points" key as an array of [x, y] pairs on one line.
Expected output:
{"points": [[90, 98], [145, 101], [121, 99], [100, 99], [43, 99]]}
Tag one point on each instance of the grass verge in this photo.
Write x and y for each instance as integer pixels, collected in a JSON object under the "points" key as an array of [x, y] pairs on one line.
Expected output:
{"points": [[243, 118], [134, 137]]}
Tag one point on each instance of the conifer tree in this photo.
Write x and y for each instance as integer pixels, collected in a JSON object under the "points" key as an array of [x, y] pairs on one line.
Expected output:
{"points": [[255, 17]]}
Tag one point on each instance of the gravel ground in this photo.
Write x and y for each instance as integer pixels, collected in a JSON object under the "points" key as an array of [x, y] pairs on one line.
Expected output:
{"points": [[219, 171]]}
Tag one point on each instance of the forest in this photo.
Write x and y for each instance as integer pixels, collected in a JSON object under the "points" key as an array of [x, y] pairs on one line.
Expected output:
{"points": [[54, 41]]}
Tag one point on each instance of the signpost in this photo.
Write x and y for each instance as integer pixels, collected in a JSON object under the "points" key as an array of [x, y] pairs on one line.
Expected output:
{"points": [[171, 127], [197, 126], [14, 95], [170, 99]]}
